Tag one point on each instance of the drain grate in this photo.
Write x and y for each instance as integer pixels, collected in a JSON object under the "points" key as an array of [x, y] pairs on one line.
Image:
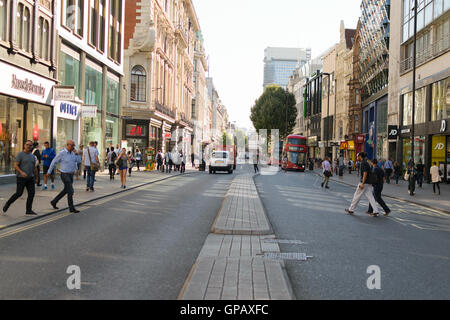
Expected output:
{"points": [[287, 256], [284, 241]]}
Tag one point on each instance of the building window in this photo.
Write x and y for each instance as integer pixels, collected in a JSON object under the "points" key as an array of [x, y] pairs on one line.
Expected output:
{"points": [[356, 123], [427, 11], [440, 105], [73, 15], [419, 110], [93, 22], [115, 27], [43, 39], [3, 18], [23, 27], [112, 92], [69, 72], [138, 84]]}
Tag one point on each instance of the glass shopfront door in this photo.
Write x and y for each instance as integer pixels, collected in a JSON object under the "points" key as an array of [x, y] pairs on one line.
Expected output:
{"points": [[11, 132]]}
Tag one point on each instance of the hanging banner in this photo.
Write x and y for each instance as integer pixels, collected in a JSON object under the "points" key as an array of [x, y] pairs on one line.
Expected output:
{"points": [[35, 133], [89, 112]]}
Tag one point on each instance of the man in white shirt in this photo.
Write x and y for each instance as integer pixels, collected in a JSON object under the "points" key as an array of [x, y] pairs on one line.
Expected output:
{"points": [[326, 167]]}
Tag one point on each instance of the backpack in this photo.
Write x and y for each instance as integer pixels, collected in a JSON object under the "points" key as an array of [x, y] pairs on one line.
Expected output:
{"points": [[372, 178], [113, 157]]}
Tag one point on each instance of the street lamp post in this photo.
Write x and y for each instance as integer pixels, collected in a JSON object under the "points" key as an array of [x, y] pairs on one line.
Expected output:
{"points": [[328, 113], [414, 82]]}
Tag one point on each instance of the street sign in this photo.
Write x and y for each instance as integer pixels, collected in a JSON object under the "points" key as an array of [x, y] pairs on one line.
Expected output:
{"points": [[64, 93]]}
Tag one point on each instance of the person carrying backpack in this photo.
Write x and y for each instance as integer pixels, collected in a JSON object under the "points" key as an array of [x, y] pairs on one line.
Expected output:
{"points": [[378, 189], [112, 157]]}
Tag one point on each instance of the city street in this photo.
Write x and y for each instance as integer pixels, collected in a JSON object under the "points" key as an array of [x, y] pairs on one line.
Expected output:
{"points": [[142, 244], [410, 246]]}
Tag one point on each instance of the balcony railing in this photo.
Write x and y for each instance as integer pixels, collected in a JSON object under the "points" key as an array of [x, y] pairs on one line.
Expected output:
{"points": [[164, 110], [427, 54]]}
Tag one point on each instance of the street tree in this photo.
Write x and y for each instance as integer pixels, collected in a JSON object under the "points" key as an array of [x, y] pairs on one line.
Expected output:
{"points": [[275, 109]]}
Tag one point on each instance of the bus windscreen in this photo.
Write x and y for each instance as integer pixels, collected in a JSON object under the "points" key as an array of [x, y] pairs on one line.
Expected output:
{"points": [[296, 158], [298, 142]]}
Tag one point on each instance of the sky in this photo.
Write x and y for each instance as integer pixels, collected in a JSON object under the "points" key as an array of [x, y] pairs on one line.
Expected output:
{"points": [[236, 32]]}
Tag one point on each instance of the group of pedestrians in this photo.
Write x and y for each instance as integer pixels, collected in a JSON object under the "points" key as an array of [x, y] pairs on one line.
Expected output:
{"points": [[166, 162], [27, 166]]}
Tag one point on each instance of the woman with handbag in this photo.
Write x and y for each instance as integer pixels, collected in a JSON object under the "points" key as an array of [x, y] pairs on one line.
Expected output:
{"points": [[435, 177], [122, 164], [91, 164]]}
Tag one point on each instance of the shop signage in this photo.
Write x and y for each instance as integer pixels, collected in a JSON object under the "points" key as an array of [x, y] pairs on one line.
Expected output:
{"points": [[438, 149], [136, 130], [25, 85], [1, 129], [168, 135], [392, 132], [67, 110], [89, 112], [344, 145], [64, 93], [360, 138], [351, 145], [406, 131], [297, 149], [443, 126]]}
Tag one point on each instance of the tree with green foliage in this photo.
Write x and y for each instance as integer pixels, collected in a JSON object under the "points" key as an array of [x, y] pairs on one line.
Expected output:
{"points": [[275, 109]]}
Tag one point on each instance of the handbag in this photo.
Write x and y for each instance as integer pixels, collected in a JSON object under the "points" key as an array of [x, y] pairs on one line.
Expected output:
{"points": [[93, 166], [406, 177]]}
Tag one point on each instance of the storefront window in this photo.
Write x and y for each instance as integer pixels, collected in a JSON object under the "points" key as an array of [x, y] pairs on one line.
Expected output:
{"points": [[67, 130], [3, 16], [419, 150], [92, 131], [112, 104], [39, 123], [112, 131], [419, 110], [11, 132], [440, 105], [69, 72], [94, 88]]}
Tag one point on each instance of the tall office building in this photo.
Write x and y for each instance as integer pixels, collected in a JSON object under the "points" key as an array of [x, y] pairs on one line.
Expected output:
{"points": [[280, 63]]}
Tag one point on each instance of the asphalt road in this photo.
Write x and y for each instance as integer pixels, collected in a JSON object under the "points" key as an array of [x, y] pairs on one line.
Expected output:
{"points": [[411, 247], [138, 245]]}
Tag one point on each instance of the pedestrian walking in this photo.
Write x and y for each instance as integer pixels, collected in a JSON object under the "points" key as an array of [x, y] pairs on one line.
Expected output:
{"points": [[435, 177], [420, 173], [138, 159], [159, 161], [183, 162], [122, 163], [364, 188], [68, 161], [255, 163], [36, 152], [350, 166], [378, 189], [48, 154], [111, 158], [388, 169], [92, 164], [410, 176], [131, 162], [193, 160], [397, 172], [327, 172], [169, 163], [26, 175]]}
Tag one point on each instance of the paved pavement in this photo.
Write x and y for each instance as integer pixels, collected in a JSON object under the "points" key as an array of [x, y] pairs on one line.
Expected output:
{"points": [[423, 196], [231, 265], [103, 188]]}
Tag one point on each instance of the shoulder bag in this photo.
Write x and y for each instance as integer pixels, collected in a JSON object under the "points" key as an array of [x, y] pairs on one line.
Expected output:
{"points": [[93, 166]]}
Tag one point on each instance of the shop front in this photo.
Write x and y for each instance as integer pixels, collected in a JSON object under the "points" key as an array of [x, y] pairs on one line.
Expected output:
{"points": [[25, 112], [359, 145], [313, 147], [67, 124], [137, 134]]}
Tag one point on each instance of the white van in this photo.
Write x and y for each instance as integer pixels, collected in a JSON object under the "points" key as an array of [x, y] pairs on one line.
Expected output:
{"points": [[220, 161]]}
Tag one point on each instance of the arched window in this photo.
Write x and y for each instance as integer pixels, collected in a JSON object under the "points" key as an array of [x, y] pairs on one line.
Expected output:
{"points": [[138, 84], [23, 24]]}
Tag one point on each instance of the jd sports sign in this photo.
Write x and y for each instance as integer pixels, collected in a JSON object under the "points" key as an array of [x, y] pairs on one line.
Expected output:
{"points": [[443, 126], [393, 132]]}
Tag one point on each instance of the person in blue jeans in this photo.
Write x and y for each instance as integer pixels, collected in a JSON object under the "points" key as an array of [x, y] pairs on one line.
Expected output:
{"points": [[90, 156], [48, 154]]}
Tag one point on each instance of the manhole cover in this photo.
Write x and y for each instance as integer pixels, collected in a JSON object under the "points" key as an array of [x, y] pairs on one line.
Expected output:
{"points": [[284, 241], [287, 256]]}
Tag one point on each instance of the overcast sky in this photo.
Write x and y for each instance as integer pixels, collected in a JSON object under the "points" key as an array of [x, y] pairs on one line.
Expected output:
{"points": [[236, 32]]}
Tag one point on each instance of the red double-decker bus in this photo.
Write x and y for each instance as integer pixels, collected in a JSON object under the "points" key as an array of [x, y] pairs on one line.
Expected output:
{"points": [[294, 153]]}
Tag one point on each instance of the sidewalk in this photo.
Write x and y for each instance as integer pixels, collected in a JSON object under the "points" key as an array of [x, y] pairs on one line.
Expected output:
{"points": [[230, 265], [41, 205], [423, 196]]}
